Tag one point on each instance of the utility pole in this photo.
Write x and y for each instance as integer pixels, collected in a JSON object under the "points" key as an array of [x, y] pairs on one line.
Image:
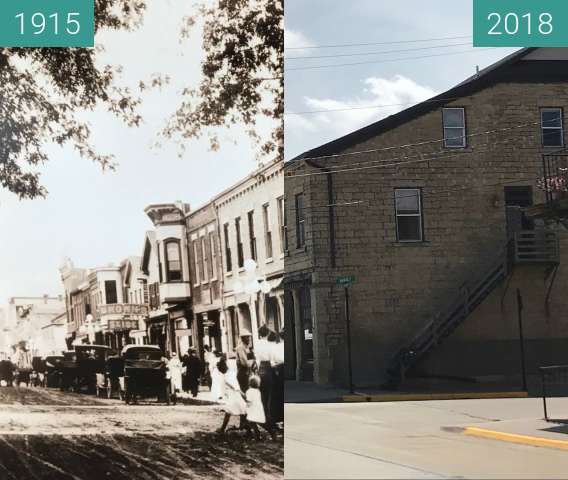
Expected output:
{"points": [[521, 338], [348, 331]]}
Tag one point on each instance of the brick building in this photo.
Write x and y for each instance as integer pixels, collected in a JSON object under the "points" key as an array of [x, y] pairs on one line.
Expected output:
{"points": [[427, 210]]}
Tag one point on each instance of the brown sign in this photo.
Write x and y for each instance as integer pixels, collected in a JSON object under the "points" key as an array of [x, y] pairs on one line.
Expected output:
{"points": [[123, 309]]}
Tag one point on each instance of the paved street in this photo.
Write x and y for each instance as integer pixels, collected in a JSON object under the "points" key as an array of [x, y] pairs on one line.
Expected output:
{"points": [[415, 440], [52, 435]]}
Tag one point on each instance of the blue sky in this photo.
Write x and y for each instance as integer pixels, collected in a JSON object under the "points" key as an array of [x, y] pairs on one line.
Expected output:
{"points": [[325, 22], [96, 218]]}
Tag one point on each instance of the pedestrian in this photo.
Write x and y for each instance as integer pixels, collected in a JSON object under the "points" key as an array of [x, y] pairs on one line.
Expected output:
{"points": [[263, 354], [209, 360], [194, 369], [277, 363], [185, 378], [245, 359], [175, 368], [255, 408], [218, 378], [235, 403]]}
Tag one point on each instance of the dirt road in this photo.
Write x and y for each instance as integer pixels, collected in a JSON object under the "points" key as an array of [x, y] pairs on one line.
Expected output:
{"points": [[46, 434]]}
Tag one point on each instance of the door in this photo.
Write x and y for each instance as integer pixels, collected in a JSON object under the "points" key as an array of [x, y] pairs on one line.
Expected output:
{"points": [[516, 199]]}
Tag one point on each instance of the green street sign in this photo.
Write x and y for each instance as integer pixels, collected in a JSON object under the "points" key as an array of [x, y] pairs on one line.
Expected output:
{"points": [[345, 281]]}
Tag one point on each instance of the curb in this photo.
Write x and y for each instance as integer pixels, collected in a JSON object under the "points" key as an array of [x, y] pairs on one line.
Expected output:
{"points": [[432, 396], [516, 438]]}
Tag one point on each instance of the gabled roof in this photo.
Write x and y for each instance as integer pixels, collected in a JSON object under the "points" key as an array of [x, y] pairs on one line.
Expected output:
{"points": [[495, 73]]}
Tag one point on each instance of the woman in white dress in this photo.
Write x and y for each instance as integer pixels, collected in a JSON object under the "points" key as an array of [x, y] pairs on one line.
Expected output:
{"points": [[218, 379], [175, 369], [235, 404]]}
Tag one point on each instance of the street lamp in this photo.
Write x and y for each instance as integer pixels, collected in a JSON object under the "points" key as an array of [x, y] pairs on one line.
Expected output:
{"points": [[252, 285]]}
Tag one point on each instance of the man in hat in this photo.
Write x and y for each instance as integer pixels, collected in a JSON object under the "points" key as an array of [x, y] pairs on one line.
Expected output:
{"points": [[245, 359]]}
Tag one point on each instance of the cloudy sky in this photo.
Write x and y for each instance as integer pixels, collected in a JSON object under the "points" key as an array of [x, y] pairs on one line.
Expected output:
{"points": [[389, 80], [97, 218]]}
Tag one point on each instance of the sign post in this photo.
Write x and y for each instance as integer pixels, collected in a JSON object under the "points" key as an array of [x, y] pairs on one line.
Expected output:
{"points": [[346, 282]]}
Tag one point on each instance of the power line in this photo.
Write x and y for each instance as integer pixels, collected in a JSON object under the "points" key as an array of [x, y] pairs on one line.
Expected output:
{"points": [[315, 67], [376, 53], [419, 144], [366, 107], [306, 47]]}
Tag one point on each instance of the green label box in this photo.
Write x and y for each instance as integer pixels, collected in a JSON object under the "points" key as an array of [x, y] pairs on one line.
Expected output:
{"points": [[520, 23], [47, 23]]}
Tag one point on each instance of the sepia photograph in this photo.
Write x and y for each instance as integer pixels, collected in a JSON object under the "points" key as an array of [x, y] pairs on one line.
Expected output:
{"points": [[142, 260]]}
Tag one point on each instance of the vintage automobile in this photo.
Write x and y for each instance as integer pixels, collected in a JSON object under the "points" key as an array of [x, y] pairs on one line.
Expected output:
{"points": [[7, 372], [145, 374], [38, 375], [111, 382], [52, 370], [79, 368]]}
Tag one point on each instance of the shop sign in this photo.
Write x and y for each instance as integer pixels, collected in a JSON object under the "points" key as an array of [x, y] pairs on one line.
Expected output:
{"points": [[123, 309], [123, 324]]}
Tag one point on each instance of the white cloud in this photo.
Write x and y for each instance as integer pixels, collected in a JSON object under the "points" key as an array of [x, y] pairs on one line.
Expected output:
{"points": [[396, 94], [294, 39]]}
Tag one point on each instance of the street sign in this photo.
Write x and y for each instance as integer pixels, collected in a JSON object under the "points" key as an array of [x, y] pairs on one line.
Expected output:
{"points": [[345, 281]]}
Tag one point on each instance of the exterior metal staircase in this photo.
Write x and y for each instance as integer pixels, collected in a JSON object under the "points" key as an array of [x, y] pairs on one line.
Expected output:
{"points": [[523, 248]]}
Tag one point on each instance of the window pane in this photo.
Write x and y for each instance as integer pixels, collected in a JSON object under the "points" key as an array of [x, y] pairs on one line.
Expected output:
{"points": [[173, 251], [552, 137], [409, 229], [552, 118], [454, 117], [407, 202], [454, 137]]}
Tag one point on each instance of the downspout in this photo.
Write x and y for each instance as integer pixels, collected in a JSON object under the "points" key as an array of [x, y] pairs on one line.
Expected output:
{"points": [[331, 210]]}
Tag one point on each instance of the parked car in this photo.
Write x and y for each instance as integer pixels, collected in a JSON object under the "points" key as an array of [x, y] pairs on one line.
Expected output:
{"points": [[7, 369], [80, 367], [53, 370], [145, 374]]}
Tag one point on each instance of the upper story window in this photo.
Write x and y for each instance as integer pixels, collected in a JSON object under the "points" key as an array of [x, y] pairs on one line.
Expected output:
{"points": [[228, 259], [454, 127], [111, 294], [240, 253], [173, 261], [552, 125], [282, 227], [408, 206], [300, 221], [212, 245], [196, 262], [204, 259], [252, 237], [267, 232]]}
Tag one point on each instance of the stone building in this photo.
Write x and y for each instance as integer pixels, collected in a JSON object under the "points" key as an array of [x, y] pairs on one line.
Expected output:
{"points": [[426, 211]]}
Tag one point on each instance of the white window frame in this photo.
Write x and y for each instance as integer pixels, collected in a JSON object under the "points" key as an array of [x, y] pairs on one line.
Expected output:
{"points": [[463, 129], [204, 259], [561, 128], [267, 232], [419, 214], [213, 256], [196, 263]]}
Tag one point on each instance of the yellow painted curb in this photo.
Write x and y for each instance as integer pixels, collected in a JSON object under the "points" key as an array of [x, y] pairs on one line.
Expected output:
{"points": [[515, 438], [412, 397]]}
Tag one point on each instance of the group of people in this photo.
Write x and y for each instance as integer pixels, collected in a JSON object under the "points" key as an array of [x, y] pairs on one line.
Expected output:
{"points": [[255, 390], [251, 388]]}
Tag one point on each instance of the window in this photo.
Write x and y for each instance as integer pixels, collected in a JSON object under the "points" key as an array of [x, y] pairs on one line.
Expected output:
{"points": [[196, 261], [213, 256], [173, 261], [240, 254], [229, 262], [204, 259], [454, 127], [300, 221], [551, 120], [110, 292], [252, 237], [282, 225], [408, 205], [267, 232]]}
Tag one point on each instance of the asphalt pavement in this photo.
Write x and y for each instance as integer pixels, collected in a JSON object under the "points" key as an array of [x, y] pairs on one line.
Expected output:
{"points": [[419, 440]]}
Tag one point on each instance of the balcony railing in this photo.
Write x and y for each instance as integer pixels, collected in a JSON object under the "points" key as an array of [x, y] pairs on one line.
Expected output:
{"points": [[536, 246]]}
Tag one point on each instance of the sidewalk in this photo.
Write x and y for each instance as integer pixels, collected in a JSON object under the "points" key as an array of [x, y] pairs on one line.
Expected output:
{"points": [[309, 392]]}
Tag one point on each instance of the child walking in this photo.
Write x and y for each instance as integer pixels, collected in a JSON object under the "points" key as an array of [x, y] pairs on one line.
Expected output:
{"points": [[255, 410], [235, 404]]}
